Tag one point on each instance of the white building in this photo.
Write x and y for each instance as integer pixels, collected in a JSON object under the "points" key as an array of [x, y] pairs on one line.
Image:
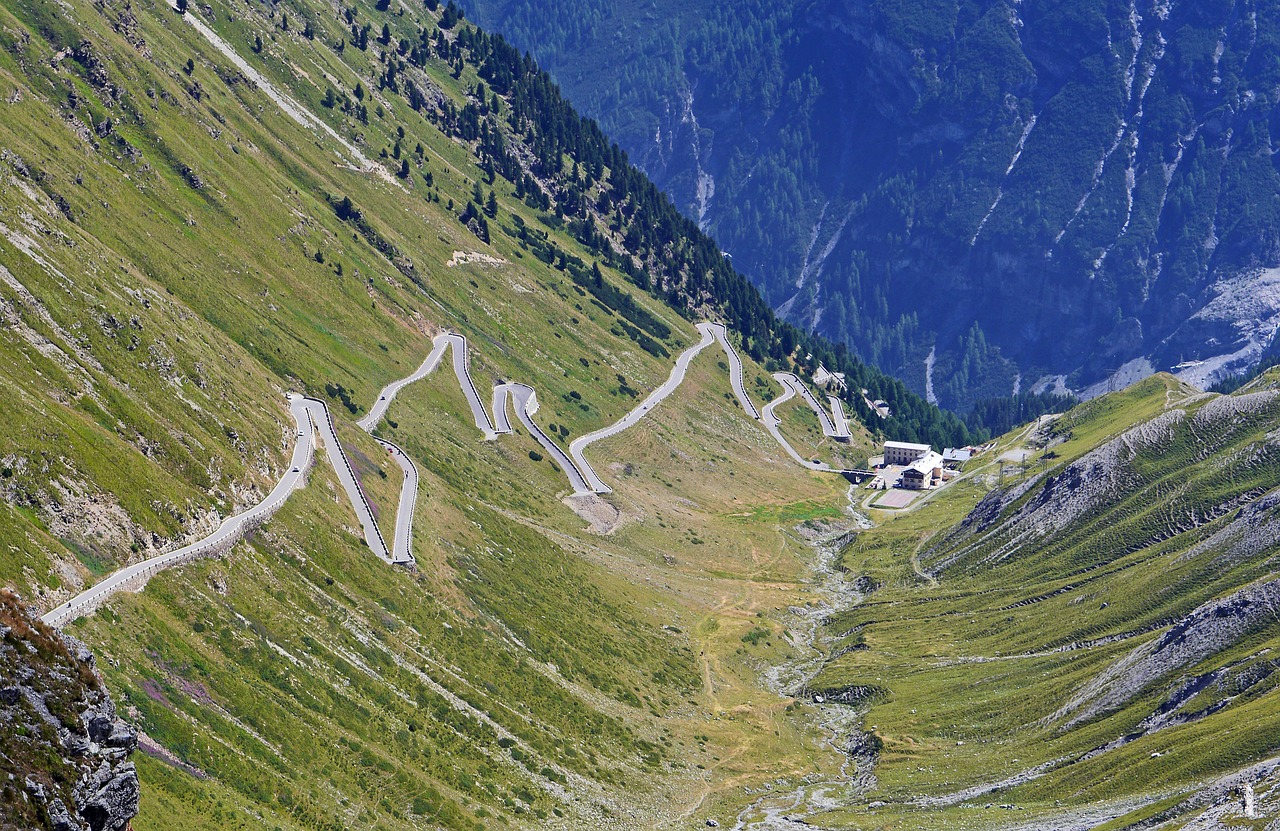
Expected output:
{"points": [[923, 473], [904, 453]]}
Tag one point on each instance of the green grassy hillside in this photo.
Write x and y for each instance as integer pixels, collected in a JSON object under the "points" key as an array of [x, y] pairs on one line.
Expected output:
{"points": [[177, 251], [1092, 635], [181, 244]]}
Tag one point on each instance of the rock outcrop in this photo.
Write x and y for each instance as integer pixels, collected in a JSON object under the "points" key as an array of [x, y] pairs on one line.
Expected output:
{"points": [[64, 759], [1207, 631]]}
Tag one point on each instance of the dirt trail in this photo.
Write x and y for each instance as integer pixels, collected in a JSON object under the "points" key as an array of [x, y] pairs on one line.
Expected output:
{"points": [[915, 560]]}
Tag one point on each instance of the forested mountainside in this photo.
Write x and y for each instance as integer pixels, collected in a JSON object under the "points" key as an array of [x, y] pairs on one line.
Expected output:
{"points": [[978, 196]]}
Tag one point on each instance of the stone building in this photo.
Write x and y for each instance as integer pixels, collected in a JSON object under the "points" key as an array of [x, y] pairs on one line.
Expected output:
{"points": [[904, 453]]}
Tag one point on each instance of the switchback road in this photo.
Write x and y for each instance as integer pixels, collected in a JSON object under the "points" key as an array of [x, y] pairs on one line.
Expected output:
{"points": [[227, 534], [313, 415]]}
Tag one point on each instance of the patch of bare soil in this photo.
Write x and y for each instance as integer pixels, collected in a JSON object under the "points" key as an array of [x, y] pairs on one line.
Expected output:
{"points": [[600, 515]]}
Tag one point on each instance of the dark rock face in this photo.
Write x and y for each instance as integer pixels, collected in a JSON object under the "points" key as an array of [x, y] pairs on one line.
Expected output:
{"points": [[64, 757]]}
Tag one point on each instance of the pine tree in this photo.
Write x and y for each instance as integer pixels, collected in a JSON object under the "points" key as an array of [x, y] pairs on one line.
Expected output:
{"points": [[450, 17]]}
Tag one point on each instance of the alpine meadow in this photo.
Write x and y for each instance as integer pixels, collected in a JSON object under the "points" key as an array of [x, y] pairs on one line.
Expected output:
{"points": [[381, 449]]}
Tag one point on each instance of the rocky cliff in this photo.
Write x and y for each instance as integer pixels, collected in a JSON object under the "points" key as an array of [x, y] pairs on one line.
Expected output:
{"points": [[64, 760]]}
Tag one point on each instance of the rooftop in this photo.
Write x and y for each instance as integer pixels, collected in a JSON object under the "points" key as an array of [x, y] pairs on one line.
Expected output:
{"points": [[926, 463], [906, 445]]}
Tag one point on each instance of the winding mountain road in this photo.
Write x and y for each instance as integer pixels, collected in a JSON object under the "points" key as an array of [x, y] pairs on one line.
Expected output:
{"points": [[230, 531], [837, 429], [769, 418], [402, 545], [525, 402], [312, 415], [347, 478], [401, 551], [656, 397], [735, 370], [461, 370], [839, 418]]}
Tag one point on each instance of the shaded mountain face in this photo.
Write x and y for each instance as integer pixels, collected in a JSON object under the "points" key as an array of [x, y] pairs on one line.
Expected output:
{"points": [[1023, 190]]}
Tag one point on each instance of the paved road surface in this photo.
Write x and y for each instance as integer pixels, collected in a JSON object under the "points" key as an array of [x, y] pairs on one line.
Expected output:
{"points": [[829, 428], [461, 370], [347, 478], [838, 416], [735, 370], [673, 381], [226, 534], [501, 423], [525, 403], [401, 550], [771, 421]]}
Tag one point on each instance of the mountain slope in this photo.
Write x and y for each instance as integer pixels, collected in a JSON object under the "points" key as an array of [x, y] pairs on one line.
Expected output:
{"points": [[1092, 183], [183, 243], [1087, 643]]}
